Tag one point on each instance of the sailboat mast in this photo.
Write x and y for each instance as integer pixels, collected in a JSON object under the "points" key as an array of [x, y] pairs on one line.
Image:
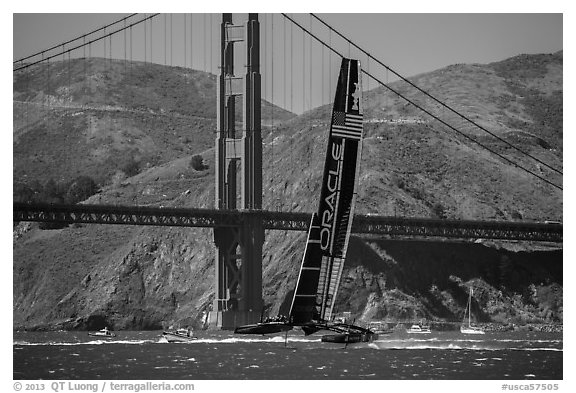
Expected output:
{"points": [[469, 306]]}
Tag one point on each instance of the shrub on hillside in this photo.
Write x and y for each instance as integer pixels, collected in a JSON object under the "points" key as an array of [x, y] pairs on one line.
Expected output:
{"points": [[197, 163], [81, 189], [52, 191], [131, 167], [398, 181], [118, 178], [438, 210]]}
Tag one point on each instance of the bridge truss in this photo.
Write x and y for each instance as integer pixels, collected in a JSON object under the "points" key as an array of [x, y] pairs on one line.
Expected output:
{"points": [[212, 218]]}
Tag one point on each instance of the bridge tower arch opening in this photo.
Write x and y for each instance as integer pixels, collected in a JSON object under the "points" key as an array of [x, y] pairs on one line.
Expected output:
{"points": [[238, 295]]}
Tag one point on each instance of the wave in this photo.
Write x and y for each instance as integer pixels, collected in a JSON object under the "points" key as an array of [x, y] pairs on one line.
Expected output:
{"points": [[235, 340], [94, 342], [392, 344], [230, 340], [450, 346]]}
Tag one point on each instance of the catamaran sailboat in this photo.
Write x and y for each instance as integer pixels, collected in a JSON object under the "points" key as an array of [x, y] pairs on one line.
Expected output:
{"points": [[329, 232], [469, 329]]}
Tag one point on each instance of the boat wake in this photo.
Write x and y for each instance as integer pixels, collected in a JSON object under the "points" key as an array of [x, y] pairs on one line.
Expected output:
{"points": [[313, 342], [474, 345], [263, 339], [160, 340], [92, 342]]}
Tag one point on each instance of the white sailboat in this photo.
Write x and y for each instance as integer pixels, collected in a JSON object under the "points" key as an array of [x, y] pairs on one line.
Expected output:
{"points": [[468, 328]]}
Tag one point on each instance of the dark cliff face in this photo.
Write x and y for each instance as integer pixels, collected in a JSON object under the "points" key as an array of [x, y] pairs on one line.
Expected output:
{"points": [[143, 277], [411, 280], [158, 277]]}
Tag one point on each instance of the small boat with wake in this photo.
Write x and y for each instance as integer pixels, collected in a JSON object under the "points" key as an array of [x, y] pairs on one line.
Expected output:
{"points": [[380, 328], [419, 329], [179, 336], [102, 333]]}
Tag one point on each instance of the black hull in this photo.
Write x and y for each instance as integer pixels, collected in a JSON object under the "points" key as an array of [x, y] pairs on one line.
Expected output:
{"points": [[350, 338], [263, 328]]}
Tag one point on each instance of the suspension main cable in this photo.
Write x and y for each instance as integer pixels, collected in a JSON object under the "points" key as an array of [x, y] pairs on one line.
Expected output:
{"points": [[83, 44], [75, 39]]}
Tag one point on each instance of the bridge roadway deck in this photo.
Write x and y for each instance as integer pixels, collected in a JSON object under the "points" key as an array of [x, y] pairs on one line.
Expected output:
{"points": [[362, 224]]}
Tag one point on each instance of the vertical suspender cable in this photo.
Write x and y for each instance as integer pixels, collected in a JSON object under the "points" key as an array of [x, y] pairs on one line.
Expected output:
{"points": [[310, 94], [303, 70], [386, 96], [105, 68], [69, 76], [330, 67], [304, 88], [130, 50], [264, 72], [90, 66], [204, 29], [165, 37], [84, 57], [211, 43], [185, 42], [291, 69], [110, 72], [284, 59], [322, 76], [145, 42], [272, 97], [104, 44], [291, 84], [365, 96], [47, 80], [310, 73]]}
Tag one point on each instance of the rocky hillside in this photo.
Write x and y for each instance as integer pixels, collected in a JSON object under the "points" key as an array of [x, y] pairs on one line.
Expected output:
{"points": [[94, 117], [159, 117]]}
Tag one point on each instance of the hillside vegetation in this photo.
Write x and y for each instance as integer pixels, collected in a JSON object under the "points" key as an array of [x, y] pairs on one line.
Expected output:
{"points": [[134, 129]]}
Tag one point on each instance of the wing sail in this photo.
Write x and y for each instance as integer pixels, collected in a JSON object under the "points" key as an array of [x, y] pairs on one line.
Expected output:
{"points": [[329, 233], [303, 308]]}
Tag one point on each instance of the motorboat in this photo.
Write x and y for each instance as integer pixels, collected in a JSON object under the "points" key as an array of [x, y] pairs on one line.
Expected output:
{"points": [[179, 335], [102, 333], [419, 329], [380, 328]]}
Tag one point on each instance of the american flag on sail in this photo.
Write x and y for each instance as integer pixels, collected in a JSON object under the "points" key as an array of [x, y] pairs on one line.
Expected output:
{"points": [[347, 125]]}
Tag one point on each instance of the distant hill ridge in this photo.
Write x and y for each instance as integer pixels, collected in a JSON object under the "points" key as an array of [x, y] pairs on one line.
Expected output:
{"points": [[98, 116]]}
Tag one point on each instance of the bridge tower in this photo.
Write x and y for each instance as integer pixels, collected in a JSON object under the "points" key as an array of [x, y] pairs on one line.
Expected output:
{"points": [[238, 297]]}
